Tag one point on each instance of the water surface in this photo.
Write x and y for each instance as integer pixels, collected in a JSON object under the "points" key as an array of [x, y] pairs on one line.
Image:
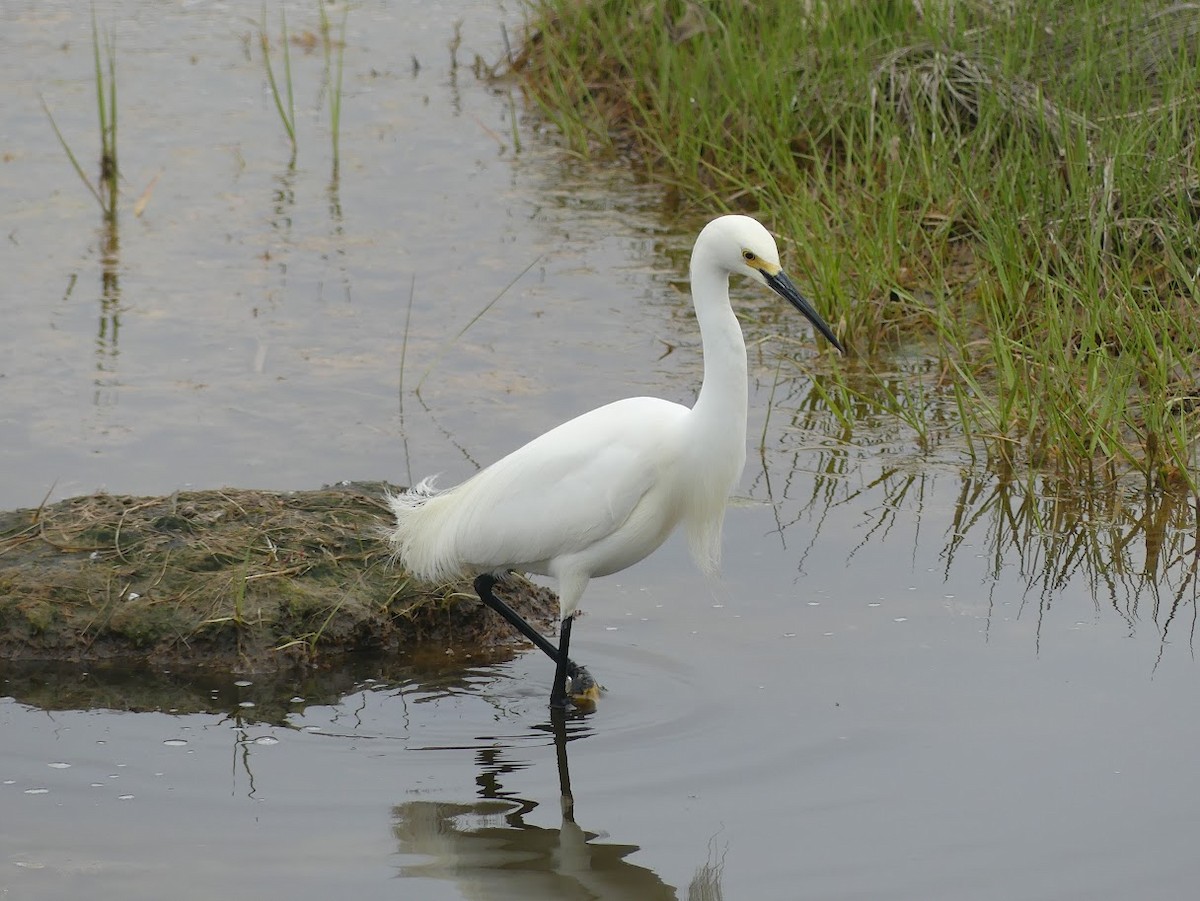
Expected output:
{"points": [[916, 679]]}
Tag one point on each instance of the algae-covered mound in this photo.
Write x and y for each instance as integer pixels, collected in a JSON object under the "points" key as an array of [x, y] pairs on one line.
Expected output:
{"points": [[251, 579]]}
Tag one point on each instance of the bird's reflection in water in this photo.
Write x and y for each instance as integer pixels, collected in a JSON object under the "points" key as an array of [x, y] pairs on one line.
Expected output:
{"points": [[488, 850]]}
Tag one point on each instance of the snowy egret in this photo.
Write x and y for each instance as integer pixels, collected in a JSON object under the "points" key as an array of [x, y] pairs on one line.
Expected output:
{"points": [[602, 491]]}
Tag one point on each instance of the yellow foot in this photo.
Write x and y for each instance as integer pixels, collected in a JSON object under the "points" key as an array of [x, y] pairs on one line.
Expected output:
{"points": [[584, 691]]}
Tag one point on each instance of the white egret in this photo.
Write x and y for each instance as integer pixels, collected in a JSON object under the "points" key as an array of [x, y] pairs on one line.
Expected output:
{"points": [[602, 491]]}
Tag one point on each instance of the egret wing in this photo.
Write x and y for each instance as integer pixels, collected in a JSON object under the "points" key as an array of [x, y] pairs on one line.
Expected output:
{"points": [[567, 489]]}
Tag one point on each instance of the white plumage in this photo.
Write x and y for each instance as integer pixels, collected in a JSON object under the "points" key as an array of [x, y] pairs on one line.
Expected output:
{"points": [[602, 491], [612, 487]]}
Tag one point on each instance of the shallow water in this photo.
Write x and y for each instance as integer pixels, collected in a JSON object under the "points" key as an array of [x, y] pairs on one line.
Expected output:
{"points": [[915, 679]]}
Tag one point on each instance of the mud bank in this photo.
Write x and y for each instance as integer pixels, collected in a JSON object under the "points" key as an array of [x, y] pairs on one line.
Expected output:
{"points": [[249, 580]]}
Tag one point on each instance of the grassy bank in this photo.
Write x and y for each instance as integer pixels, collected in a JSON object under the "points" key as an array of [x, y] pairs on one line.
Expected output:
{"points": [[1012, 187]]}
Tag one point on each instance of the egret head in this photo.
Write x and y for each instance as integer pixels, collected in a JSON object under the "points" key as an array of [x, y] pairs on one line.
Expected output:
{"points": [[741, 245]]}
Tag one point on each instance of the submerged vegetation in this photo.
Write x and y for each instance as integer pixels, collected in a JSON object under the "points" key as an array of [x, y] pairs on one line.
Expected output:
{"points": [[1133, 551], [1012, 188]]}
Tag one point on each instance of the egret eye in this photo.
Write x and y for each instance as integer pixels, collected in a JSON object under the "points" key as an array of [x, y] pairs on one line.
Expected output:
{"points": [[748, 256]]}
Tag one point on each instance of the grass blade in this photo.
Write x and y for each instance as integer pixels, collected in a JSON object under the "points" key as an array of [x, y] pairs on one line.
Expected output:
{"points": [[491, 303], [70, 155], [286, 116]]}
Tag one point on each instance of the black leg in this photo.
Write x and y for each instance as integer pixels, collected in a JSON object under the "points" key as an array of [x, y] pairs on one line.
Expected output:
{"points": [[582, 682], [483, 587], [558, 692]]}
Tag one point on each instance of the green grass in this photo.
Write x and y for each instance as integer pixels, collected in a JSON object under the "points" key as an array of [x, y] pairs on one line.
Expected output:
{"points": [[285, 100], [105, 189], [333, 77], [1011, 188], [282, 86]]}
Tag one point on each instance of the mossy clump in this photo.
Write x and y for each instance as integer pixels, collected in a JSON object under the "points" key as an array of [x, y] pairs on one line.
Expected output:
{"points": [[232, 577]]}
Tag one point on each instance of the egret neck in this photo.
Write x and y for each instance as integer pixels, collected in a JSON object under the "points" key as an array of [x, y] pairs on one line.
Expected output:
{"points": [[719, 414]]}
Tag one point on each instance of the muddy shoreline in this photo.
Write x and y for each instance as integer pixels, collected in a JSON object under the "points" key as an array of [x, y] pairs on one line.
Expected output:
{"points": [[242, 580]]}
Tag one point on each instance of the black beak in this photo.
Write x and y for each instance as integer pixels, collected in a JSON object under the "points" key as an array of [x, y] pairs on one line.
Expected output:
{"points": [[782, 285]]}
